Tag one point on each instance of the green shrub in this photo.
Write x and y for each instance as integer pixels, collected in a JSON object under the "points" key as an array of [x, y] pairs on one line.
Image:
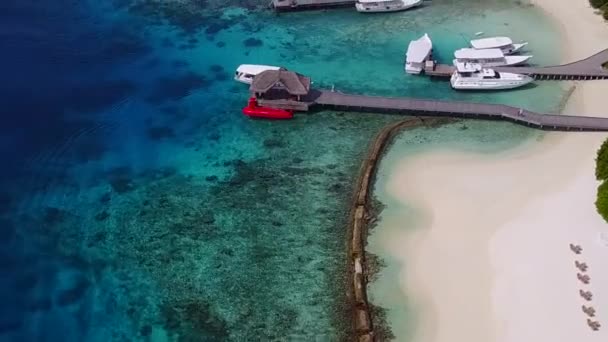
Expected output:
{"points": [[598, 3], [601, 162], [601, 204], [605, 15]]}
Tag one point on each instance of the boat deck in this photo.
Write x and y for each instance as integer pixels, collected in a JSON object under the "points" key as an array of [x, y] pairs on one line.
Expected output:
{"points": [[586, 69], [295, 5]]}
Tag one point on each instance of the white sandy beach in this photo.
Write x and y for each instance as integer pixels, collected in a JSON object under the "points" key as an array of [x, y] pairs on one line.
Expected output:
{"points": [[490, 259]]}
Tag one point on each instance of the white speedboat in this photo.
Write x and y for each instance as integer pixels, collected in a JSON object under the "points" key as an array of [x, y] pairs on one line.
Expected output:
{"points": [[418, 52], [469, 76], [372, 6], [505, 44], [246, 72], [488, 57]]}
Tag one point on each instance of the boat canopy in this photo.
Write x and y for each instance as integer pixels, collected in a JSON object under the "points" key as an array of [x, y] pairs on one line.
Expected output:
{"points": [[478, 54], [254, 69], [491, 43], [419, 50], [468, 67], [489, 73]]}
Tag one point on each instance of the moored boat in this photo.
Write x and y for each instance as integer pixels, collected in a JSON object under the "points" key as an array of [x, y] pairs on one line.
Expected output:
{"points": [[469, 76], [246, 72], [374, 6], [488, 57], [505, 44], [254, 111], [418, 52]]}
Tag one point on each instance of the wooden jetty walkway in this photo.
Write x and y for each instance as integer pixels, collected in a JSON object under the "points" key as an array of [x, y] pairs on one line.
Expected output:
{"points": [[341, 101], [294, 5], [586, 69], [289, 90]]}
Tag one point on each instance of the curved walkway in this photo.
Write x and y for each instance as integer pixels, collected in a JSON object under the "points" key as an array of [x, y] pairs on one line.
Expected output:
{"points": [[361, 214], [458, 109]]}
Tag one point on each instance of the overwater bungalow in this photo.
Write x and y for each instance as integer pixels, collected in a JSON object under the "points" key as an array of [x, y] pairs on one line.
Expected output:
{"points": [[286, 87]]}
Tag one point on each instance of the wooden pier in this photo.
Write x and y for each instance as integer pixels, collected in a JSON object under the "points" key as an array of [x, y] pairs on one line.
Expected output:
{"points": [[586, 69], [458, 109], [289, 90], [295, 5]]}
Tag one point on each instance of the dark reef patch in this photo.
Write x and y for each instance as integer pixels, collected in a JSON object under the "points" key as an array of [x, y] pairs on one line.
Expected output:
{"points": [[160, 133], [170, 110], [120, 44], [52, 215], [217, 26], [273, 143], [7, 231], [27, 281], [75, 294], [180, 64], [216, 68], [37, 305], [175, 88], [166, 42], [97, 96], [102, 216], [215, 136], [146, 330], [6, 202], [220, 44], [9, 324], [120, 180], [222, 76], [158, 173], [105, 198], [89, 149], [8, 261], [196, 321], [253, 42], [189, 16]]}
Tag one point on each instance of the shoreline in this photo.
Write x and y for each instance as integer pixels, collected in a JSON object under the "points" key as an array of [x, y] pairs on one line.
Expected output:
{"points": [[361, 214], [488, 258]]}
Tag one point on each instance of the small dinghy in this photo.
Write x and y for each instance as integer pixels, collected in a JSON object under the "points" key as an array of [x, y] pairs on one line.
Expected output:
{"points": [[254, 111]]}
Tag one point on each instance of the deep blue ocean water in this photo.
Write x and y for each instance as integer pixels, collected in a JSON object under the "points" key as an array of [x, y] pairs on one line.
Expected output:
{"points": [[137, 203]]}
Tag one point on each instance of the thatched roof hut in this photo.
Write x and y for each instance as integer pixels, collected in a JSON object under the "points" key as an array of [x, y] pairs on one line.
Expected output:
{"points": [[293, 83]]}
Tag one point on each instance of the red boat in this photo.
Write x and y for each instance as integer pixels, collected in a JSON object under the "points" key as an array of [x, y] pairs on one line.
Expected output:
{"points": [[254, 111]]}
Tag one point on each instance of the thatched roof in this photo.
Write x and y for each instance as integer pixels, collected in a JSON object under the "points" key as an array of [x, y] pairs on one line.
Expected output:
{"points": [[294, 83]]}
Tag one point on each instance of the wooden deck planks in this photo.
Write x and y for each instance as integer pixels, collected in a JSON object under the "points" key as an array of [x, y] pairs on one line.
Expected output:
{"points": [[461, 109]]}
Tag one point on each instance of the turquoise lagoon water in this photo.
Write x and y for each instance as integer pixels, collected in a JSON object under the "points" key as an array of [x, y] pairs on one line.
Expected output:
{"points": [[138, 204]]}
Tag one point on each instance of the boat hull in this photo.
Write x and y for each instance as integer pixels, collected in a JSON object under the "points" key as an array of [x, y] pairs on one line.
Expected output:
{"points": [[243, 80], [516, 60], [404, 5], [515, 48], [268, 113], [507, 61], [463, 84], [510, 50], [254, 111], [245, 73], [414, 70]]}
